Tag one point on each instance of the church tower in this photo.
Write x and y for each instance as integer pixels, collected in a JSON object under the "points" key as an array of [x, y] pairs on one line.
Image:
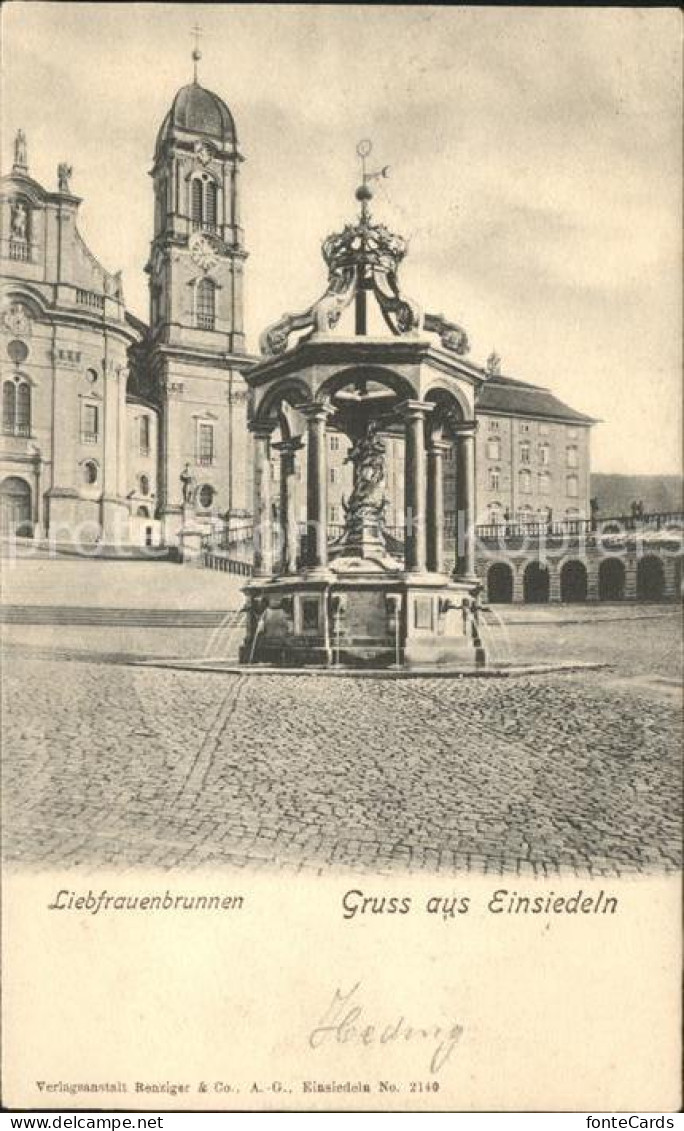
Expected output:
{"points": [[196, 311]]}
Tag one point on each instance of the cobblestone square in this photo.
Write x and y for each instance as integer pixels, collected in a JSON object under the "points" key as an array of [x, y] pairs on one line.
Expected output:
{"points": [[109, 764]]}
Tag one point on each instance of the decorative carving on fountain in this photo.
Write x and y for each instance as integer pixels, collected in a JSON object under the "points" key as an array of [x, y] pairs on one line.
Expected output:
{"points": [[323, 315], [452, 336]]}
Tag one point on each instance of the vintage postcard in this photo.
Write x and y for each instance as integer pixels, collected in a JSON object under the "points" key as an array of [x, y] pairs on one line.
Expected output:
{"points": [[342, 530]]}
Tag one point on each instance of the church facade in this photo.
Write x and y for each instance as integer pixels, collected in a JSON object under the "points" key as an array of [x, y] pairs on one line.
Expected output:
{"points": [[114, 430]]}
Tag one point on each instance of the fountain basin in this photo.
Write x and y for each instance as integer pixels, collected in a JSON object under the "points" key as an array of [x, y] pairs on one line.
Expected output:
{"points": [[362, 618]]}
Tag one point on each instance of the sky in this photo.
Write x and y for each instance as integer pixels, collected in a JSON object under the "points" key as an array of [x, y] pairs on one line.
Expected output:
{"points": [[535, 166]]}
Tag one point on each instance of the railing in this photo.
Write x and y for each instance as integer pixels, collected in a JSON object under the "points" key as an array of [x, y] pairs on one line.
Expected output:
{"points": [[89, 298], [16, 430], [658, 520], [236, 546], [204, 226], [20, 250], [89, 437], [213, 559]]}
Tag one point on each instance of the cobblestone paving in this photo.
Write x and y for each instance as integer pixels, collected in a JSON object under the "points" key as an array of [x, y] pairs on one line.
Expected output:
{"points": [[109, 765]]}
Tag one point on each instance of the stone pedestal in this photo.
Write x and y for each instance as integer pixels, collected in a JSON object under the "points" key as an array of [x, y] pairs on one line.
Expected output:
{"points": [[190, 538], [362, 618]]}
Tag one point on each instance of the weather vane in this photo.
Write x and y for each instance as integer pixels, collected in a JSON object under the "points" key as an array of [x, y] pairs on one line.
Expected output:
{"points": [[364, 192], [196, 53]]}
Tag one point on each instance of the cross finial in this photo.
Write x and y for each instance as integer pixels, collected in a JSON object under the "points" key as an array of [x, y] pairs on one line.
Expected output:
{"points": [[196, 53]]}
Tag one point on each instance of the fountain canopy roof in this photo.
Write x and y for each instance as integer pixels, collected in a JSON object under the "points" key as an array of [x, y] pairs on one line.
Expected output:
{"points": [[363, 261]]}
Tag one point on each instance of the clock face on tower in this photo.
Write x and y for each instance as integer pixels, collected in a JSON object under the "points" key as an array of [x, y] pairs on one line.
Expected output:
{"points": [[205, 249]]}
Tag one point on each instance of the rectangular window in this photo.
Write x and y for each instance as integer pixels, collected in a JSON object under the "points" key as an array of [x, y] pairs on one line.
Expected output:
{"points": [[524, 453], [493, 425], [91, 424], [572, 457], [332, 474], [334, 443], [572, 486], [144, 435], [524, 427], [543, 429], [205, 452], [544, 453], [572, 433]]}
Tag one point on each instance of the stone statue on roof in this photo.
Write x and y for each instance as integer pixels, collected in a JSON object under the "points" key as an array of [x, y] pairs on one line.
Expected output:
{"points": [[64, 173], [20, 154]]}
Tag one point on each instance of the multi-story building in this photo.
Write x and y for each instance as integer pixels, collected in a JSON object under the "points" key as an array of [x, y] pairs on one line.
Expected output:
{"points": [[124, 431], [533, 453], [64, 347]]}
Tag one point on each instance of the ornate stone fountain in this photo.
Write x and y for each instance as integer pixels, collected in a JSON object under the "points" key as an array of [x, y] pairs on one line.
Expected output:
{"points": [[364, 597]]}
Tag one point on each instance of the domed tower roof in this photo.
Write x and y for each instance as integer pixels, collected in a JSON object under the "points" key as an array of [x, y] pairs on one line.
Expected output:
{"points": [[198, 111]]}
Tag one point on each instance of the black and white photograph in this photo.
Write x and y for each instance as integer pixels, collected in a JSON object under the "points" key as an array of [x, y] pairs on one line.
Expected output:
{"points": [[341, 549]]}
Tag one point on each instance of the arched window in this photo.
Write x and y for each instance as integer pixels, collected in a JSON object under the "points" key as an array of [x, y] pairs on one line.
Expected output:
{"points": [[572, 486], [196, 201], [525, 480], [495, 513], [571, 456], [16, 408], [206, 313], [23, 418], [544, 483], [494, 478], [210, 203], [493, 448], [144, 435], [9, 399], [144, 485]]}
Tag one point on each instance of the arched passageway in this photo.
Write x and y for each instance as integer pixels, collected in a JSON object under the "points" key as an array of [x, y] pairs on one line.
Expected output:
{"points": [[650, 579], [536, 584], [611, 580], [573, 582], [500, 584], [15, 506]]}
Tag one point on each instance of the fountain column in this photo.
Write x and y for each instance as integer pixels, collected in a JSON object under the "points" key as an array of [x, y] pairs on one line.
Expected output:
{"points": [[465, 500], [316, 486], [435, 506], [415, 499], [263, 531], [288, 503]]}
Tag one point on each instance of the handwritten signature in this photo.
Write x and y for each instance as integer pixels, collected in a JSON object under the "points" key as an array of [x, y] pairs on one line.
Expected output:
{"points": [[345, 1021]]}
